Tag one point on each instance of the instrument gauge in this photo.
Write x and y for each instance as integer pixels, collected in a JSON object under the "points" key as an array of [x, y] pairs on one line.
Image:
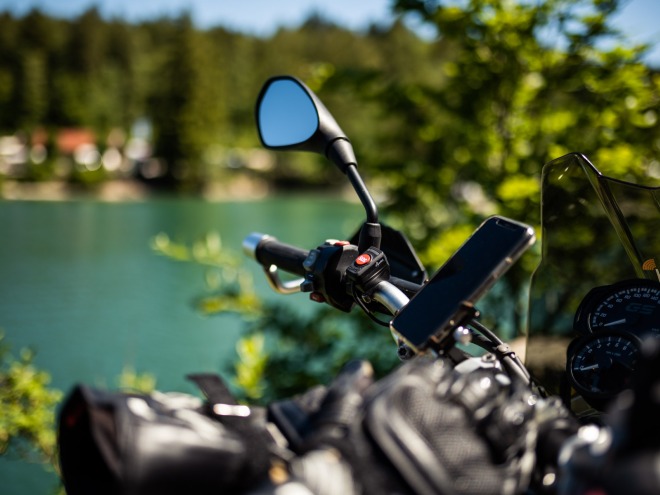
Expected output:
{"points": [[603, 364], [632, 306]]}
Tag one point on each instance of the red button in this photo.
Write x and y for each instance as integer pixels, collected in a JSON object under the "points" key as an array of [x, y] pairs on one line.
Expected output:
{"points": [[317, 297], [363, 259]]}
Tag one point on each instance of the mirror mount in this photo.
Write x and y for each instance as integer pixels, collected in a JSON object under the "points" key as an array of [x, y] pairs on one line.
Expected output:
{"points": [[340, 152]]}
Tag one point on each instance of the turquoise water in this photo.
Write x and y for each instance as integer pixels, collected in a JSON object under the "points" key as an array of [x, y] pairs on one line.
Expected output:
{"points": [[80, 285]]}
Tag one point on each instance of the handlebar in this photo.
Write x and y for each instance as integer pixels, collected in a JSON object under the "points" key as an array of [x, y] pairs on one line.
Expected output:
{"points": [[267, 250], [390, 296], [319, 274]]}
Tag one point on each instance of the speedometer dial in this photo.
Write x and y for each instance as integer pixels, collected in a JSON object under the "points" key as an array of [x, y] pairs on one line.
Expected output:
{"points": [[612, 320], [603, 364], [632, 306]]}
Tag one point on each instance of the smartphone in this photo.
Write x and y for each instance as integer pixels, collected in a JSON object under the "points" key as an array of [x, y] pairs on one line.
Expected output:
{"points": [[445, 301]]}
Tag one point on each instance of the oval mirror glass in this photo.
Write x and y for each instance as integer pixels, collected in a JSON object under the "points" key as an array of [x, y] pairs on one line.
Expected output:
{"points": [[287, 115]]}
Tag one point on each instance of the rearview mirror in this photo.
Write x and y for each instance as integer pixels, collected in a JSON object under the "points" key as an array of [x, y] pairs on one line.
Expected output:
{"points": [[286, 114], [290, 116]]}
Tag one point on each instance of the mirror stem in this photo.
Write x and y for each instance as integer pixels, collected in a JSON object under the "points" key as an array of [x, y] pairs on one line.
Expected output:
{"points": [[370, 235], [363, 193]]}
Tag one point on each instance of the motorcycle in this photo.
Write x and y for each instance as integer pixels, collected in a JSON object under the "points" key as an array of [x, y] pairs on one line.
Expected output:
{"points": [[596, 291], [594, 300], [575, 413]]}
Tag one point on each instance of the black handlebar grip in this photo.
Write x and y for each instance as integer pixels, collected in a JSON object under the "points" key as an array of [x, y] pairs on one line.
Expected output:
{"points": [[267, 250]]}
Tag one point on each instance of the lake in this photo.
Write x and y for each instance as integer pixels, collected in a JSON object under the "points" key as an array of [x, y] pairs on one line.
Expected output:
{"points": [[81, 286]]}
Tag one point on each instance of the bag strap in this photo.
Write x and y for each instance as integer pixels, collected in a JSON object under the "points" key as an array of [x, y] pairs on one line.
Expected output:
{"points": [[213, 387]]}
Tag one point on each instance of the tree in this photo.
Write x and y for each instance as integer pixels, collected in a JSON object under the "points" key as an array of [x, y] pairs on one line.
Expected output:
{"points": [[475, 137], [34, 91], [520, 83], [187, 109]]}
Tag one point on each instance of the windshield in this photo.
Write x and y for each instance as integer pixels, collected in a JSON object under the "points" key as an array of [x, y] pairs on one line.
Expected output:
{"points": [[596, 231]]}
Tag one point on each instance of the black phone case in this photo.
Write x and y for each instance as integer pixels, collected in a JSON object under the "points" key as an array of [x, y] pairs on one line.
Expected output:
{"points": [[461, 310]]}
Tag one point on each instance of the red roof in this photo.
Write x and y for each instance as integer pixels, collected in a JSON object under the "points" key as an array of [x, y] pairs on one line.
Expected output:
{"points": [[68, 140]]}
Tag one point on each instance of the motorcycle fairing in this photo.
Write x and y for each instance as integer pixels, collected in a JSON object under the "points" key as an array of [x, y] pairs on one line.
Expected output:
{"points": [[595, 230]]}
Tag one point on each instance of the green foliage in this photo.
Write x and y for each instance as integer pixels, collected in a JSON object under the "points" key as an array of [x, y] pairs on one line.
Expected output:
{"points": [[307, 350], [251, 366], [502, 88], [188, 106], [131, 381], [229, 287], [521, 83], [27, 408]]}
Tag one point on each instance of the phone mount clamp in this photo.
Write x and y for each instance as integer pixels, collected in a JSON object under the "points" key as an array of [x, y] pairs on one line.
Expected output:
{"points": [[446, 338]]}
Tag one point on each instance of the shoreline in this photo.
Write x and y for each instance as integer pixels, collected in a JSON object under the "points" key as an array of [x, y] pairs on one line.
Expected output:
{"points": [[127, 190], [240, 188]]}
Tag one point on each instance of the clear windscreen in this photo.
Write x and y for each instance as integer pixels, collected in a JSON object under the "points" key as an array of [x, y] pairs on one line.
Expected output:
{"points": [[596, 231]]}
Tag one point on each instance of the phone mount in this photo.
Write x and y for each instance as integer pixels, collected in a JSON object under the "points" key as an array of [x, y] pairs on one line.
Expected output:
{"points": [[445, 339]]}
